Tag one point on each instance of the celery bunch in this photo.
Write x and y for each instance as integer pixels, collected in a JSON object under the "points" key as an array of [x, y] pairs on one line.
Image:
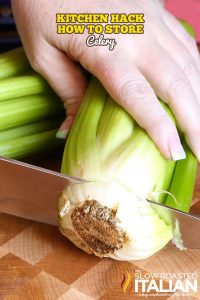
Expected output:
{"points": [[107, 214], [30, 112]]}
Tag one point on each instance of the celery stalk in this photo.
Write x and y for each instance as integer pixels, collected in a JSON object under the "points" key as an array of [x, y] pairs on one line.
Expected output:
{"points": [[27, 145], [29, 129], [21, 86], [13, 62], [159, 193], [183, 182], [87, 121], [112, 120], [25, 110]]}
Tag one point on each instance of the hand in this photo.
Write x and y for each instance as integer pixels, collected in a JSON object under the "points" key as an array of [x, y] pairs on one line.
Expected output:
{"points": [[163, 61]]}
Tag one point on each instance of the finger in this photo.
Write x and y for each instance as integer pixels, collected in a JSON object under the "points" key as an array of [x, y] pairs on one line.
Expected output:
{"points": [[66, 78], [183, 59], [186, 39], [172, 85], [65, 127], [130, 89]]}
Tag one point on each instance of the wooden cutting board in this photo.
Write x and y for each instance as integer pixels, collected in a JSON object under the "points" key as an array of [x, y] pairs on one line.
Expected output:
{"points": [[37, 262]]}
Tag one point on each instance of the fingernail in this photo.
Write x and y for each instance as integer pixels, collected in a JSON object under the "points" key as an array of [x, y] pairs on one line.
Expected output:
{"points": [[176, 150], [62, 134]]}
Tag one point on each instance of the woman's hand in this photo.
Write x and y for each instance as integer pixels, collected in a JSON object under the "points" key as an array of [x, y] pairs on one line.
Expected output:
{"points": [[163, 61]]}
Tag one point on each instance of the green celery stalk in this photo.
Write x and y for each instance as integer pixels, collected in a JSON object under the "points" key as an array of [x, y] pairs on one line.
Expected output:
{"points": [[25, 110], [113, 118], [28, 145], [163, 183], [29, 129], [183, 182], [87, 121], [13, 62], [22, 86]]}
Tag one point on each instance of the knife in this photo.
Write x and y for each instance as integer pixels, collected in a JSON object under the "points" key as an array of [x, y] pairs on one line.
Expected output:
{"points": [[31, 192]]}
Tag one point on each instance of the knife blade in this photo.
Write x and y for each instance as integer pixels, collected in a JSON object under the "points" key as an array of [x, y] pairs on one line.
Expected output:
{"points": [[31, 192]]}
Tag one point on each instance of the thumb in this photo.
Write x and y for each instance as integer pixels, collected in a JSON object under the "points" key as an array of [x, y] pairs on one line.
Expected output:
{"points": [[66, 78]]}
